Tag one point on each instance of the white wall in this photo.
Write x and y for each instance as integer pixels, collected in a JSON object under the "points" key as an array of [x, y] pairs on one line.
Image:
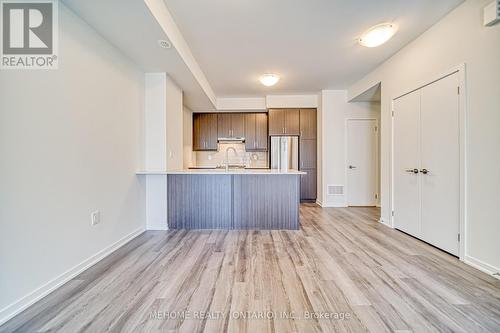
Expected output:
{"points": [[164, 143], [241, 104], [189, 158], [333, 112], [70, 143], [164, 117], [155, 119], [175, 128], [458, 38], [292, 101]]}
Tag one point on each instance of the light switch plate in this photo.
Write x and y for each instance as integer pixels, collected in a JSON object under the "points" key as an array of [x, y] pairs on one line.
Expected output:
{"points": [[95, 217]]}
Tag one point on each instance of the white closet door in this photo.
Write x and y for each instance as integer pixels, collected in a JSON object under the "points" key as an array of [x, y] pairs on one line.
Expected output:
{"points": [[406, 159], [440, 155]]}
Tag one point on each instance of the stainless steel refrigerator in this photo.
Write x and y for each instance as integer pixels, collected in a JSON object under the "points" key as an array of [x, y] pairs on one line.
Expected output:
{"points": [[285, 152]]}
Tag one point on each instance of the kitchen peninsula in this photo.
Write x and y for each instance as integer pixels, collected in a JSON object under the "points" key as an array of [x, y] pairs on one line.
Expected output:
{"points": [[235, 199]]}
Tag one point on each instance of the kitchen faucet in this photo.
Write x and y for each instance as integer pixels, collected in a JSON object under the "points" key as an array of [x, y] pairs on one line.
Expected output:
{"points": [[227, 156]]}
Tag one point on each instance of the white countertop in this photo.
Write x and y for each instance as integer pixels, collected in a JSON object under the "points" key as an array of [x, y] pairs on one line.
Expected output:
{"points": [[224, 172]]}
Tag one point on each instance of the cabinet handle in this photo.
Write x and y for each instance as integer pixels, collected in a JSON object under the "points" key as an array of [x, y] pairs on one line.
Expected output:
{"points": [[283, 130]]}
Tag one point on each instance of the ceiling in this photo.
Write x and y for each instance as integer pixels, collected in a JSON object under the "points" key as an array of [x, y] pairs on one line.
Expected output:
{"points": [[312, 44], [132, 28], [221, 47]]}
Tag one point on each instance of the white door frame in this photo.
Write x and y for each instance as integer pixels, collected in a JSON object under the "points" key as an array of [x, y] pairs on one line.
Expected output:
{"points": [[346, 154], [461, 70]]}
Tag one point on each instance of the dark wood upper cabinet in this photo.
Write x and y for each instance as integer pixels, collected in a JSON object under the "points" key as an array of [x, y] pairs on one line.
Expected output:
{"points": [[308, 124], [261, 135], [224, 125], [211, 131], [256, 132], [231, 125], [284, 122], [250, 126], [276, 122], [198, 142], [204, 131], [292, 122], [238, 125]]}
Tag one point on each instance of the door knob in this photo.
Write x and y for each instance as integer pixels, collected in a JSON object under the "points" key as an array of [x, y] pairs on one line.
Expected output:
{"points": [[424, 171], [352, 167], [412, 171]]}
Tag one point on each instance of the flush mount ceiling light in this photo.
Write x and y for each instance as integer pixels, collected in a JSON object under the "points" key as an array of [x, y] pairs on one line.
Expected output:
{"points": [[165, 44], [378, 35], [269, 79]]}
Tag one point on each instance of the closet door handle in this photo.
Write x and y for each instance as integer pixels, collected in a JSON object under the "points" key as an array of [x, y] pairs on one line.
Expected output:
{"points": [[415, 171], [424, 171]]}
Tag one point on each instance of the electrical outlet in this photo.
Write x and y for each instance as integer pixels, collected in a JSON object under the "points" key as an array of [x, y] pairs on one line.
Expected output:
{"points": [[95, 217]]}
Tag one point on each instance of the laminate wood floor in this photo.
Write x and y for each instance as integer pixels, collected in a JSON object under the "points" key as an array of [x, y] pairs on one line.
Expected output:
{"points": [[342, 272]]}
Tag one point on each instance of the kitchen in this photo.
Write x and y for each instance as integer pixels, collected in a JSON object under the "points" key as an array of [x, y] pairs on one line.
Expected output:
{"points": [[243, 161]]}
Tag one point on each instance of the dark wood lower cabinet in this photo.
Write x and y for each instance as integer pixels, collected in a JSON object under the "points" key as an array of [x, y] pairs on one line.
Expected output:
{"points": [[308, 185]]}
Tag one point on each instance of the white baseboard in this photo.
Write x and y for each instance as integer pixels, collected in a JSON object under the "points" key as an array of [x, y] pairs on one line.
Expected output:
{"points": [[23, 303], [319, 203], [157, 226], [381, 220], [482, 266], [334, 205]]}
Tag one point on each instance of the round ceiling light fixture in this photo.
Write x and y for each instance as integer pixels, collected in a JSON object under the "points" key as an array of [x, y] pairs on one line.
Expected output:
{"points": [[269, 79], [378, 35], [165, 44]]}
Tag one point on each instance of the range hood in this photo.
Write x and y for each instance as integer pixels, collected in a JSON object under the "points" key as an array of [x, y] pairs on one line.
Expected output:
{"points": [[231, 140]]}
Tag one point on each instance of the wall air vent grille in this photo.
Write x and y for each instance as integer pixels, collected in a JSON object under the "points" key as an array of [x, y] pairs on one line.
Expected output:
{"points": [[335, 189]]}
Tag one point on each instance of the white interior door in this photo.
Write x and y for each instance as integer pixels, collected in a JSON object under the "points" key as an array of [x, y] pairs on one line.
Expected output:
{"points": [[361, 162], [440, 156], [407, 164]]}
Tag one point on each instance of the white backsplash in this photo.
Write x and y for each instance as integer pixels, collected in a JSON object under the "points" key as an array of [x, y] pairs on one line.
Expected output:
{"points": [[214, 158]]}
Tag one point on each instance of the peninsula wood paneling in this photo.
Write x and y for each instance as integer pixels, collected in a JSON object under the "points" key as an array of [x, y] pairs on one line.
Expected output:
{"points": [[269, 202], [199, 201], [233, 201]]}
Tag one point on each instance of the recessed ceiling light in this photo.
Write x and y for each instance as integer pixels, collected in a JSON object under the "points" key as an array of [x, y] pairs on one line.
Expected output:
{"points": [[269, 79], [164, 43], [378, 34]]}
